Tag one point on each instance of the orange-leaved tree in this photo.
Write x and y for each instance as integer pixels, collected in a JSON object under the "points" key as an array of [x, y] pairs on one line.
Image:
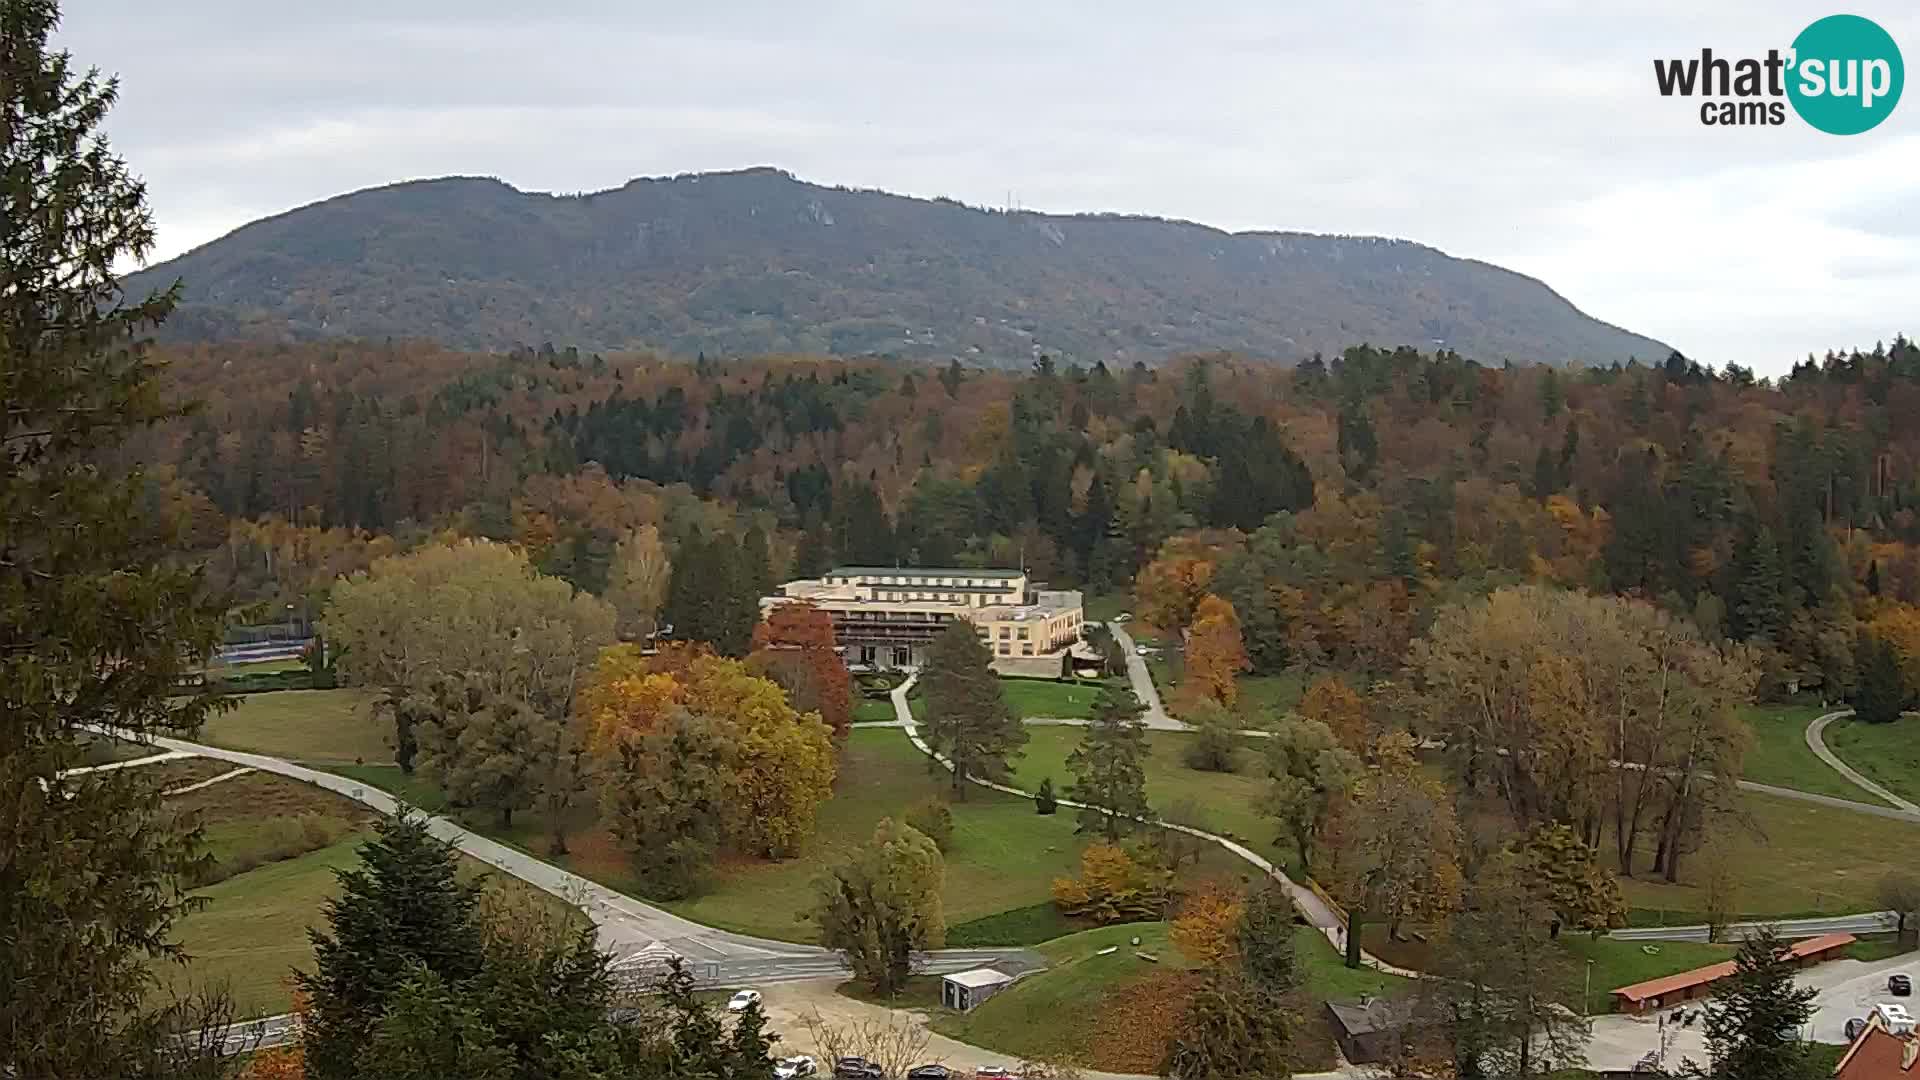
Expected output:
{"points": [[1215, 652], [1332, 702], [1170, 588], [1206, 926], [794, 646]]}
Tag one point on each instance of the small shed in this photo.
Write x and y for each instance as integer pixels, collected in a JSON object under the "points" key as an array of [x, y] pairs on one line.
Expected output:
{"points": [[1368, 1030], [963, 991]]}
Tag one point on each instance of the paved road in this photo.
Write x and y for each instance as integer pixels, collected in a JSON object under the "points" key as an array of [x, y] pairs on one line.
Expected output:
{"points": [[1156, 715], [1872, 922], [1817, 743]]}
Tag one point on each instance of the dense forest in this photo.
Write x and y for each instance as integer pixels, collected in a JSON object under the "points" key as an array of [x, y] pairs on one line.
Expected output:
{"points": [[1340, 503]]}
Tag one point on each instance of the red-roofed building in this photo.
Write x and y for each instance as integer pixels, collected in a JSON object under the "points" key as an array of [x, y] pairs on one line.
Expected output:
{"points": [[1879, 1054], [1688, 985]]}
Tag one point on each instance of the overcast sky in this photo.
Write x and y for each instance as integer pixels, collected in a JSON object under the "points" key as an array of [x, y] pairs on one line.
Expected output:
{"points": [[1527, 133]]}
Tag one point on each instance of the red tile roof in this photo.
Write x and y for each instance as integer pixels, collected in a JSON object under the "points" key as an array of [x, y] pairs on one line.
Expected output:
{"points": [[1661, 987], [1879, 1055]]}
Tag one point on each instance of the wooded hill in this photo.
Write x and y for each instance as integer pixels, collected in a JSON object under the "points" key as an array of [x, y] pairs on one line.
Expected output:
{"points": [[754, 262], [1340, 504]]}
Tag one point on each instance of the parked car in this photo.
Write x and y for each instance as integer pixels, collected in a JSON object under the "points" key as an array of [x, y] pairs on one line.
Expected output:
{"points": [[1142, 650], [794, 1068], [1854, 1027], [740, 1001], [995, 1072], [1125, 616], [1899, 985], [931, 1072], [857, 1068]]}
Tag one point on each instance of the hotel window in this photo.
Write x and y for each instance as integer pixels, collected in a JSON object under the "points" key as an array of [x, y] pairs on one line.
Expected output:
{"points": [[1023, 633], [1026, 650], [1003, 649]]}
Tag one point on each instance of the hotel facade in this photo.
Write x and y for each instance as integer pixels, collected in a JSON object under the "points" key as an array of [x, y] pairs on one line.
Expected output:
{"points": [[885, 617]]}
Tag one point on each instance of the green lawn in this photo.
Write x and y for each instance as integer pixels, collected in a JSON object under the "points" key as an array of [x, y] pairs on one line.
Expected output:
{"points": [[1779, 754], [1069, 994], [1888, 754], [1806, 859], [253, 931], [1226, 803], [1045, 697], [1004, 856], [258, 667], [1103, 607], [322, 726], [415, 789], [1325, 975], [1080, 986], [1264, 699], [1623, 963]]}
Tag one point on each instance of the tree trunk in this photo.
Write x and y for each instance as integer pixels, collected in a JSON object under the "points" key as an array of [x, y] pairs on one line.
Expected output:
{"points": [[1354, 923], [506, 817], [959, 781], [557, 843]]}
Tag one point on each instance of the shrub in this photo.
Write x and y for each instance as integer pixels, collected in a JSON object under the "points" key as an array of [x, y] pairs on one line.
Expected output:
{"points": [[933, 818], [1044, 801], [1213, 748]]}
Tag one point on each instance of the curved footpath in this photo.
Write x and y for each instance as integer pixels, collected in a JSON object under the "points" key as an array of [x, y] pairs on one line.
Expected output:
{"points": [[1817, 743], [637, 933]]}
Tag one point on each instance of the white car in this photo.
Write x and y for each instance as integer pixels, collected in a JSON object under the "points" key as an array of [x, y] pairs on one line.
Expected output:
{"points": [[1142, 650], [740, 1001], [1125, 616], [794, 1068]]}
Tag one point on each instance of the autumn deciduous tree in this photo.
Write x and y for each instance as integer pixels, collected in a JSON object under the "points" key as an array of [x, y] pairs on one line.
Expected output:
{"points": [[1169, 589], [1539, 694], [794, 646], [481, 657], [778, 763], [1114, 886], [1215, 655], [1504, 984], [277, 1063], [881, 905], [1206, 927], [968, 721], [637, 583], [1311, 773], [1566, 874], [1332, 702], [1397, 860]]}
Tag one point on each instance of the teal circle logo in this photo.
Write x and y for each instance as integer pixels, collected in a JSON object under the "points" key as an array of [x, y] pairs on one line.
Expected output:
{"points": [[1846, 75]]}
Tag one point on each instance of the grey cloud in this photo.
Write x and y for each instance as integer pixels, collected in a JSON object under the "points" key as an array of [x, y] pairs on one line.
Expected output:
{"points": [[1490, 128]]}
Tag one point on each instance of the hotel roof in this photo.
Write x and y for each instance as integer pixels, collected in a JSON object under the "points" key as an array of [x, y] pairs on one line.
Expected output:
{"points": [[922, 571]]}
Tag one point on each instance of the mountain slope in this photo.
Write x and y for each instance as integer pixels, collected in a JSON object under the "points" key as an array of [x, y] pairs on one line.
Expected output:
{"points": [[757, 261]]}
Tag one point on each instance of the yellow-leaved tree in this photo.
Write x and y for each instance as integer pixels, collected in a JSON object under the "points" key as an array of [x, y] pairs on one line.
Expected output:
{"points": [[774, 765]]}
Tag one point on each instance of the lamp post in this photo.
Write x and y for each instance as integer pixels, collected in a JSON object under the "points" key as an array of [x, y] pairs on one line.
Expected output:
{"points": [[1586, 996]]}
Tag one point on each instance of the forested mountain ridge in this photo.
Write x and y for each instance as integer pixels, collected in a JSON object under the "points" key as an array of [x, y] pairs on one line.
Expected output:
{"points": [[755, 262]]}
